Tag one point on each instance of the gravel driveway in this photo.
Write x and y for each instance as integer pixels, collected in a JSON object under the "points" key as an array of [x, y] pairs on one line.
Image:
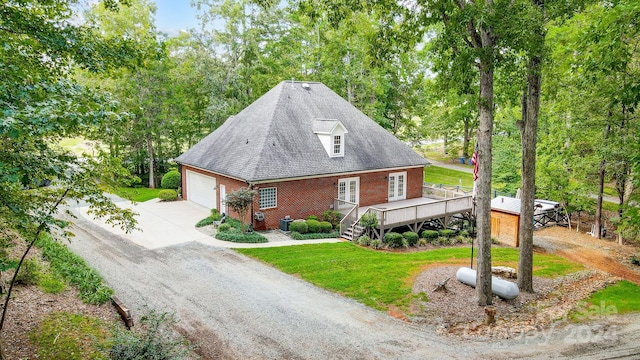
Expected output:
{"points": [[235, 307]]}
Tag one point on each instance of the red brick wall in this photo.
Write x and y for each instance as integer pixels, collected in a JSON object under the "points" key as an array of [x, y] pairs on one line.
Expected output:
{"points": [[302, 198]]}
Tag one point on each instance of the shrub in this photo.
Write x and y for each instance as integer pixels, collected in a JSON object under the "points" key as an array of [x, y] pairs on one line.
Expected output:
{"points": [[171, 180], [215, 215], [155, 339], [411, 237], [393, 239], [132, 181], [464, 233], [332, 216], [297, 236], [447, 233], [313, 226], [376, 244], [422, 242], [460, 239], [405, 244], [430, 235], [238, 237], [312, 217], [369, 221], [325, 226], [204, 222], [299, 227], [364, 240], [30, 272], [441, 241], [224, 227], [168, 195]]}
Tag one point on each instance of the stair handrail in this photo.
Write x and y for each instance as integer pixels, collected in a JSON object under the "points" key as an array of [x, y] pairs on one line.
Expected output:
{"points": [[346, 220]]}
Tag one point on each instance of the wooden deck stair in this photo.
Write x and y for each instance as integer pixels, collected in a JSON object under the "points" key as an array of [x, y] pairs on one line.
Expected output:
{"points": [[353, 231]]}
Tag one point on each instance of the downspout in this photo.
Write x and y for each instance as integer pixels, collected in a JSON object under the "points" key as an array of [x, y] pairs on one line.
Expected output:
{"points": [[253, 226]]}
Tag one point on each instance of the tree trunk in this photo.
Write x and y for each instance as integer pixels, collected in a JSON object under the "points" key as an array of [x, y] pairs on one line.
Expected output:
{"points": [[601, 176], [149, 139], [465, 138], [483, 198], [529, 131]]}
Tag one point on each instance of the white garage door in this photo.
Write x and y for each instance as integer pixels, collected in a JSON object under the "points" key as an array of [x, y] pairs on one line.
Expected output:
{"points": [[201, 189]]}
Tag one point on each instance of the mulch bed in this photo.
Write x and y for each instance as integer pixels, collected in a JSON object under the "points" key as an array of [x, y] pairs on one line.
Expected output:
{"points": [[456, 312]]}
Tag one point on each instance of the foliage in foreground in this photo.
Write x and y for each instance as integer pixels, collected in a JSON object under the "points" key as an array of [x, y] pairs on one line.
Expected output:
{"points": [[66, 336], [75, 270], [380, 279], [154, 338]]}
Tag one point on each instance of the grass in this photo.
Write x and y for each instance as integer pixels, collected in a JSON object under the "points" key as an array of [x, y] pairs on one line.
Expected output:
{"points": [[440, 175], [382, 279], [69, 336], [620, 298], [138, 194]]}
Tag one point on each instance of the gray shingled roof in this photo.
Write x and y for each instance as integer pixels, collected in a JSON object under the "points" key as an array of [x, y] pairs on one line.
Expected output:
{"points": [[273, 138]]}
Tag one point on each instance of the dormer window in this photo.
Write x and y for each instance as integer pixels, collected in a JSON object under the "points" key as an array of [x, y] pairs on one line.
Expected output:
{"points": [[331, 134], [338, 146]]}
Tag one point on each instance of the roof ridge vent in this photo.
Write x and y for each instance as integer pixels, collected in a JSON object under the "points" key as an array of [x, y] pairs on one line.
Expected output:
{"points": [[306, 86]]}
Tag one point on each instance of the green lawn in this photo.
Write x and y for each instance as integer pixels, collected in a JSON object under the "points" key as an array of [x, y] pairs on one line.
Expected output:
{"points": [[380, 279], [138, 194], [440, 175], [621, 298]]}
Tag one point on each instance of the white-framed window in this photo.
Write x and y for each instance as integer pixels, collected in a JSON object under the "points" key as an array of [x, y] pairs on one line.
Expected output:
{"points": [[268, 198], [338, 145]]}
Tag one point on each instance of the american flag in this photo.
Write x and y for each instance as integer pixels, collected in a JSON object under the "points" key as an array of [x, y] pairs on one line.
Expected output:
{"points": [[474, 161]]}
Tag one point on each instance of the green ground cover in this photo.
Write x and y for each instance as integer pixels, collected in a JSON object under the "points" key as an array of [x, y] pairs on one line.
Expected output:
{"points": [[380, 279]]}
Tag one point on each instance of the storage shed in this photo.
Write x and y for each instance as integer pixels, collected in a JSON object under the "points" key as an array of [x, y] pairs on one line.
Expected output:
{"points": [[505, 219]]}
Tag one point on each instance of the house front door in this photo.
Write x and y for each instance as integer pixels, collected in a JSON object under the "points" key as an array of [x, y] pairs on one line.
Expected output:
{"points": [[349, 190], [397, 186]]}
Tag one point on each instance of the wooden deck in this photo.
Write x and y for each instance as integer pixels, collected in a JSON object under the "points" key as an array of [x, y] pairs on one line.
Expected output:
{"points": [[435, 205]]}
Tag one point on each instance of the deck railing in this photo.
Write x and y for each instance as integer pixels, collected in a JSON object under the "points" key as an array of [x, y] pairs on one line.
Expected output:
{"points": [[415, 213]]}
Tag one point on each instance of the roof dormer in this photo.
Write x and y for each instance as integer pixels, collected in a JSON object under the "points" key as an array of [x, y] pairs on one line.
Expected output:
{"points": [[331, 133]]}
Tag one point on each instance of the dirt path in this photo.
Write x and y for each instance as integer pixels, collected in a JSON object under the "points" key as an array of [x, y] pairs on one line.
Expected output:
{"points": [[599, 254]]}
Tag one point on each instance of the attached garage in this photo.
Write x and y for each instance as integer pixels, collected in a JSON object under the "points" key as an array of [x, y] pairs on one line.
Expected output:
{"points": [[201, 189]]}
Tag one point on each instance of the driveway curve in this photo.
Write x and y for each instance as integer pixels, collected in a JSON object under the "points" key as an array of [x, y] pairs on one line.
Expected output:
{"points": [[235, 307]]}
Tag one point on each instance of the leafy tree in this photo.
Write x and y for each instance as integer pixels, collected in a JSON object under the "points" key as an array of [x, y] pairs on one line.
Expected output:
{"points": [[240, 201], [40, 104]]}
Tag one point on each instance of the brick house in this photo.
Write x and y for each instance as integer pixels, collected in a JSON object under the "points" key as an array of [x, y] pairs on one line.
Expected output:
{"points": [[300, 146]]}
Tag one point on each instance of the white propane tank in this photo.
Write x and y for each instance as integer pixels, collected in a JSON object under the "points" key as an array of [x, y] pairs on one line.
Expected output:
{"points": [[503, 288]]}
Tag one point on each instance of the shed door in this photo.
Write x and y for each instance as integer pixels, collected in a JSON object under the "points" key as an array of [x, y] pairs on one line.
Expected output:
{"points": [[201, 189]]}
